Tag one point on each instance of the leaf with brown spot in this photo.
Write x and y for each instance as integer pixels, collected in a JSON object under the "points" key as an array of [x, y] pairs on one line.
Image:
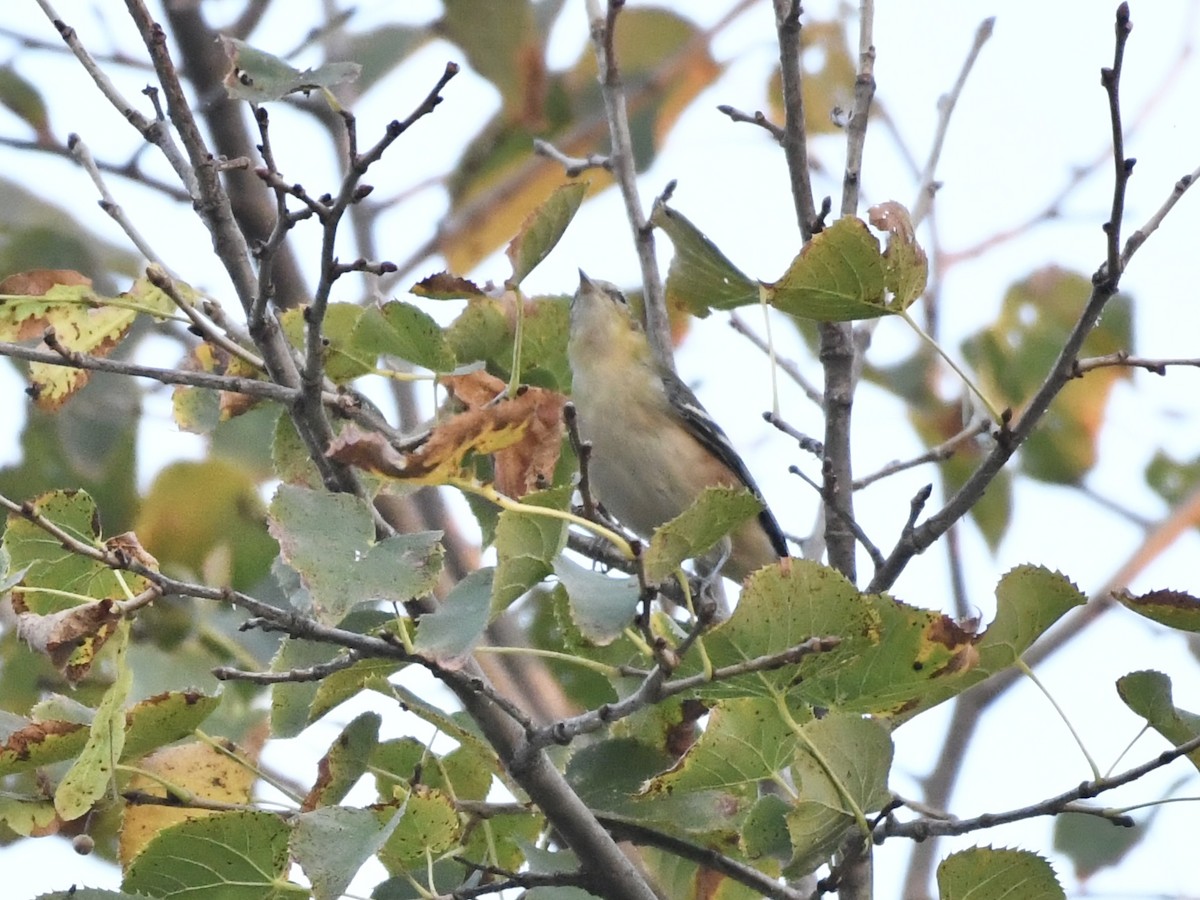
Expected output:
{"points": [[40, 744], [444, 286], [61, 302], [205, 771], [1175, 609]]}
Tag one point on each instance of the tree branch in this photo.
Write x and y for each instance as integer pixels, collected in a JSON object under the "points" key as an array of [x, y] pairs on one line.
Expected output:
{"points": [[921, 829], [624, 168]]}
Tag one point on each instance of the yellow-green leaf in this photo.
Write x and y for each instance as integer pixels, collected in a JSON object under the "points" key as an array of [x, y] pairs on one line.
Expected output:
{"points": [[838, 276], [542, 230]]}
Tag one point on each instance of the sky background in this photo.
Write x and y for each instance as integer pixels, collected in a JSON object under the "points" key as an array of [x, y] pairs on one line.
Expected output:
{"points": [[1032, 113]]}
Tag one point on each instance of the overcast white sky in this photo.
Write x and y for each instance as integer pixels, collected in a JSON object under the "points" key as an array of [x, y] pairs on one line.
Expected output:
{"points": [[1032, 112]]}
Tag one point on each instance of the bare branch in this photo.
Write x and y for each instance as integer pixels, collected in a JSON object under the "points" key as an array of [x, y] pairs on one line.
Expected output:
{"points": [[1104, 285], [250, 387], [920, 829], [624, 168], [573, 166], [655, 688], [1139, 237], [310, 673], [759, 118], [153, 130], [738, 324], [940, 453], [1124, 360], [946, 105]]}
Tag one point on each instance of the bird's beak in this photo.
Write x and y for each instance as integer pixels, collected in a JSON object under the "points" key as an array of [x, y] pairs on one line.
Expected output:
{"points": [[584, 281]]}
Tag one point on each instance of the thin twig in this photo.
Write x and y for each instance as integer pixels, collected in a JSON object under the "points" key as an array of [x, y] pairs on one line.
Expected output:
{"points": [[940, 453], [266, 390], [923, 828], [1139, 237], [601, 26], [1104, 285], [83, 156], [655, 688], [806, 443], [207, 329], [733, 869], [1123, 360], [153, 130], [309, 673], [758, 118], [573, 166], [789, 368], [877, 557], [129, 170], [946, 104]]}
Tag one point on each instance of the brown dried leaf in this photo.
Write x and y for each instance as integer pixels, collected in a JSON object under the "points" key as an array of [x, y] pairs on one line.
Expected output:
{"points": [[529, 463], [129, 545], [71, 637], [524, 433]]}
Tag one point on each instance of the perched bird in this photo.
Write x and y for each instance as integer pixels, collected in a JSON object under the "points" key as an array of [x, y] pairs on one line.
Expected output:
{"points": [[654, 446]]}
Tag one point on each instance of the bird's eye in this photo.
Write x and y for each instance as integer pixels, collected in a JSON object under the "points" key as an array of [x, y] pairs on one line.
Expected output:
{"points": [[618, 297]]}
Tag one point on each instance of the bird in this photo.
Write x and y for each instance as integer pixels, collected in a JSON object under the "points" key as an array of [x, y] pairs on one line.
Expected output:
{"points": [[654, 446]]}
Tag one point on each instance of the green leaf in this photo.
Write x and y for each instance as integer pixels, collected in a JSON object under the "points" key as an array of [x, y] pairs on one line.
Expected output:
{"points": [[1093, 843], [344, 762], [838, 276], [701, 278], [1175, 609], [526, 545], [223, 537], [501, 41], [163, 719], [402, 330], [27, 815], [428, 828], [344, 358], [1013, 355], [543, 229], [858, 752], [485, 331], [51, 566], [765, 831], [22, 97], [450, 633], [906, 269], [290, 700], [1149, 695], [746, 740], [329, 540], [602, 606], [364, 675], [331, 845], [714, 514], [982, 873], [258, 76], [1170, 478], [1029, 599], [231, 855], [90, 776]]}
